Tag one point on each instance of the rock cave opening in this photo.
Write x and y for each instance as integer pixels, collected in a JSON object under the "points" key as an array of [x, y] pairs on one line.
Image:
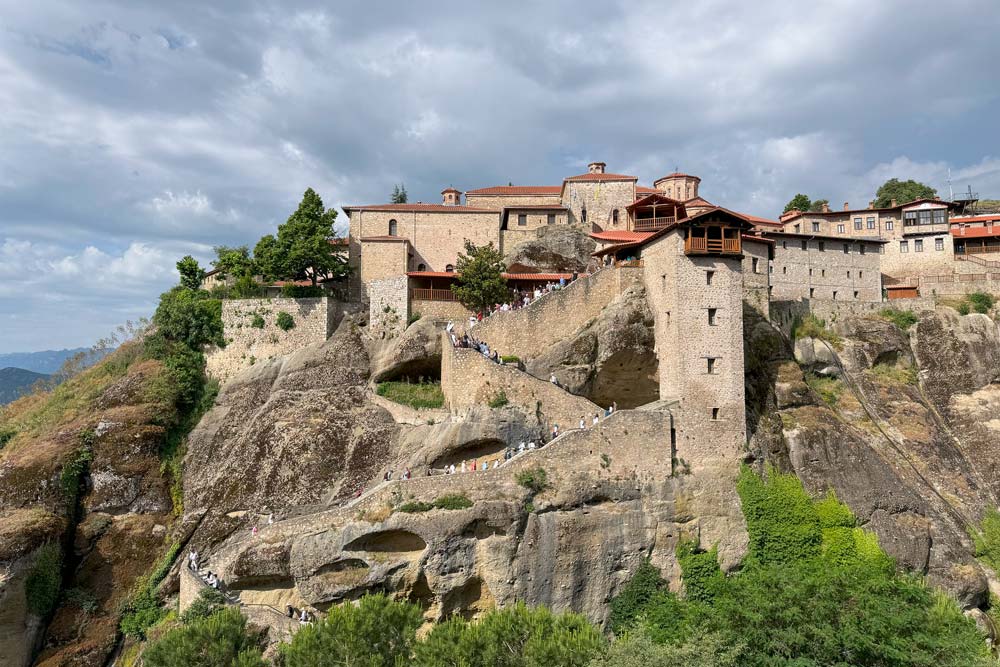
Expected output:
{"points": [[416, 371], [388, 541], [477, 449], [629, 377]]}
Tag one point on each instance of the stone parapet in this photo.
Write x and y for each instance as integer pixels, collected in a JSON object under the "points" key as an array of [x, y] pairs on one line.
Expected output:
{"points": [[388, 306], [526, 332]]}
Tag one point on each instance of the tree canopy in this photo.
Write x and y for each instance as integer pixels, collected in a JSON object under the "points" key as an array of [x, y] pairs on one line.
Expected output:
{"points": [[398, 194], [902, 192], [191, 273], [799, 202], [480, 278], [235, 261], [302, 250], [817, 205], [220, 640]]}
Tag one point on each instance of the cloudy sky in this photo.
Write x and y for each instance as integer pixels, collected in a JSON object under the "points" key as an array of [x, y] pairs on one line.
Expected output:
{"points": [[134, 132]]}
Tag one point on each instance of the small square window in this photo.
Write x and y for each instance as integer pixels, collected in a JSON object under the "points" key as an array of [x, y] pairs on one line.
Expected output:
{"points": [[708, 277], [715, 414], [816, 227], [904, 246], [711, 365], [812, 292], [888, 224], [834, 295], [855, 295], [857, 223], [522, 220], [840, 228], [939, 244], [918, 245], [871, 223], [755, 264], [711, 316], [551, 219], [822, 246]]}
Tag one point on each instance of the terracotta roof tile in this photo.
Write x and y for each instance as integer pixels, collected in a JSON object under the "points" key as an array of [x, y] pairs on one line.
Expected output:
{"points": [[514, 190], [420, 208], [384, 238], [623, 236], [602, 177], [975, 232]]}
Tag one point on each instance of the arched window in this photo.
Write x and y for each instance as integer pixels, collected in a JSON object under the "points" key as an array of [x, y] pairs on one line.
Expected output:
{"points": [[392, 227], [583, 214], [421, 267], [614, 216], [449, 268]]}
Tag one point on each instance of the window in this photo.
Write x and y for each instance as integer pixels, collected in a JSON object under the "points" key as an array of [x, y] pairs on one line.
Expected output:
{"points": [[393, 227], [708, 277], [940, 216], [552, 218], [522, 220], [797, 227], [583, 214], [888, 224], [805, 245], [840, 228], [861, 274], [904, 246], [816, 227], [918, 245], [871, 222], [711, 316], [848, 273], [715, 414], [614, 216], [754, 263], [711, 365], [939, 244], [810, 272], [861, 248], [847, 248], [857, 223], [421, 267], [449, 269], [855, 295], [770, 268], [822, 273], [784, 270], [822, 246], [909, 218], [834, 295], [812, 292]]}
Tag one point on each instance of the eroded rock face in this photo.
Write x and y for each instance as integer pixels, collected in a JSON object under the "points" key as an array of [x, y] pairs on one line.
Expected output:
{"points": [[415, 353], [556, 248], [611, 359]]}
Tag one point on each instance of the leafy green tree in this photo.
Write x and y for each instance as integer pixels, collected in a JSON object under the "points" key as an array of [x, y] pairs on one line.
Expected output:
{"points": [[208, 602], [639, 650], [480, 278], [235, 262], [902, 192], [220, 640], [513, 637], [377, 632], [189, 317], [799, 202], [302, 250], [817, 205], [644, 585], [191, 273], [700, 569], [780, 516], [399, 194]]}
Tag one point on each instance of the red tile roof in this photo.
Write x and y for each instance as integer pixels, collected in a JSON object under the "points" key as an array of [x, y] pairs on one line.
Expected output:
{"points": [[517, 190], [384, 238], [546, 207], [698, 201], [340, 241], [995, 217], [420, 208], [762, 221], [678, 174], [643, 190], [975, 232], [622, 236], [602, 177], [508, 276]]}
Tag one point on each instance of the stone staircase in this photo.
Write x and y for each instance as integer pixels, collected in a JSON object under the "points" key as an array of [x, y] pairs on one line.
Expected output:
{"points": [[976, 259]]}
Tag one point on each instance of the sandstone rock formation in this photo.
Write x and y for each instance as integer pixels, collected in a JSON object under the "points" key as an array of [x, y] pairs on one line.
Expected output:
{"points": [[556, 248], [414, 354]]}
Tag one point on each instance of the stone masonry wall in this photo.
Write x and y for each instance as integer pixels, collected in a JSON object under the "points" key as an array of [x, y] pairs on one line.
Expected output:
{"points": [[468, 378], [315, 319], [441, 310], [755, 276], [822, 270], [388, 306], [600, 199], [527, 332]]}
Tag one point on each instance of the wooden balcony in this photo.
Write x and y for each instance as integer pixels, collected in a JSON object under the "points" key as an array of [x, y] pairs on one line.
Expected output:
{"points": [[424, 294], [652, 224]]}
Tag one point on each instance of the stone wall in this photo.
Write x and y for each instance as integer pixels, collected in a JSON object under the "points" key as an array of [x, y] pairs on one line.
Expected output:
{"points": [[958, 284], [822, 270], [509, 238], [388, 306], [526, 332], [441, 310], [924, 255], [534, 218], [469, 379], [315, 320], [600, 198], [383, 259], [785, 312], [500, 201], [756, 283]]}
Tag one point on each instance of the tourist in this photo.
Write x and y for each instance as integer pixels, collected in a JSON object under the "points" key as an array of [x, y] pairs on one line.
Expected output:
{"points": [[193, 560], [474, 462], [614, 407], [597, 418], [562, 281], [304, 617], [531, 445], [583, 423], [450, 326], [270, 518], [407, 474], [253, 531], [290, 610], [555, 431], [496, 463], [451, 469], [486, 465], [463, 466]]}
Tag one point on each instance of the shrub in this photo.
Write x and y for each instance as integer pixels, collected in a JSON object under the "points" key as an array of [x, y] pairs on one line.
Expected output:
{"points": [[812, 327], [415, 507], [220, 640], [891, 374], [963, 308], [142, 609], [904, 319], [700, 570], [284, 321], [499, 400], [828, 388], [627, 606], [73, 471], [41, 587], [6, 435], [208, 602], [82, 598], [257, 321], [535, 479], [416, 395], [301, 291], [987, 539], [781, 520], [981, 302], [189, 317], [412, 318], [453, 502], [511, 359]]}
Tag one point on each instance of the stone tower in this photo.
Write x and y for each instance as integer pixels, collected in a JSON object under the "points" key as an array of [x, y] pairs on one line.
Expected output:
{"points": [[678, 186], [451, 197]]}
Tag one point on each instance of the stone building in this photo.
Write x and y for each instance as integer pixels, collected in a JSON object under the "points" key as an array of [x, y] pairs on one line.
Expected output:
{"points": [[814, 266]]}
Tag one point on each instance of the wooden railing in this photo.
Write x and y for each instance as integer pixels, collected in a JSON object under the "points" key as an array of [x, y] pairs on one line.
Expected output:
{"points": [[721, 246], [977, 250], [652, 224], [424, 294]]}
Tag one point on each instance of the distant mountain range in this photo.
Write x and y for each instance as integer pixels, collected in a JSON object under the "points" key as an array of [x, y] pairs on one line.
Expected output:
{"points": [[16, 381], [47, 361]]}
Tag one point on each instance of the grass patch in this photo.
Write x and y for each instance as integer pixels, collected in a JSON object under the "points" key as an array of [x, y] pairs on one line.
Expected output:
{"points": [[811, 326], [41, 588], [511, 359], [412, 318], [499, 400], [904, 319], [535, 480], [257, 322], [142, 609], [829, 389], [415, 507], [455, 501], [977, 302], [416, 395], [894, 375]]}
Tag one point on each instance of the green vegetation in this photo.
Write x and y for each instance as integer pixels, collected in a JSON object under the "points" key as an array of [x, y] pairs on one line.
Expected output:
{"points": [[457, 501], [535, 479], [220, 640], [257, 321], [398, 195], [142, 609], [480, 284], [499, 400], [41, 587], [981, 302], [511, 359], [894, 374], [902, 191], [293, 291], [208, 602], [415, 507], [799, 202], [828, 388], [7, 434], [414, 316], [811, 326], [284, 321], [904, 319], [82, 599], [701, 572], [987, 540], [416, 395], [301, 249], [813, 590], [191, 273]]}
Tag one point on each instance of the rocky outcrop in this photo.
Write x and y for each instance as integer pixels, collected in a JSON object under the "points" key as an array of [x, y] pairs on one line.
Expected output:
{"points": [[414, 354], [611, 359], [556, 248]]}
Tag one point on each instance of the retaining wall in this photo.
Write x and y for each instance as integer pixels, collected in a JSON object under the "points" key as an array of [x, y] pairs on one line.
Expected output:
{"points": [[529, 331], [784, 313]]}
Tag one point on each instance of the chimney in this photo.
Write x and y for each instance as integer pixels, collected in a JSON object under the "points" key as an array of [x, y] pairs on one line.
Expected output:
{"points": [[596, 168], [451, 197], [892, 203], [937, 198], [826, 207], [871, 204], [847, 206], [790, 214]]}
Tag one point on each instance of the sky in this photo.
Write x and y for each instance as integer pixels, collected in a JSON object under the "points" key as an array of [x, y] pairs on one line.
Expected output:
{"points": [[133, 133]]}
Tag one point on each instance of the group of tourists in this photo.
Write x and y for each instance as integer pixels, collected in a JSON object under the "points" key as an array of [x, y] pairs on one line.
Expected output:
{"points": [[210, 578], [465, 341], [521, 298], [304, 617], [403, 474]]}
